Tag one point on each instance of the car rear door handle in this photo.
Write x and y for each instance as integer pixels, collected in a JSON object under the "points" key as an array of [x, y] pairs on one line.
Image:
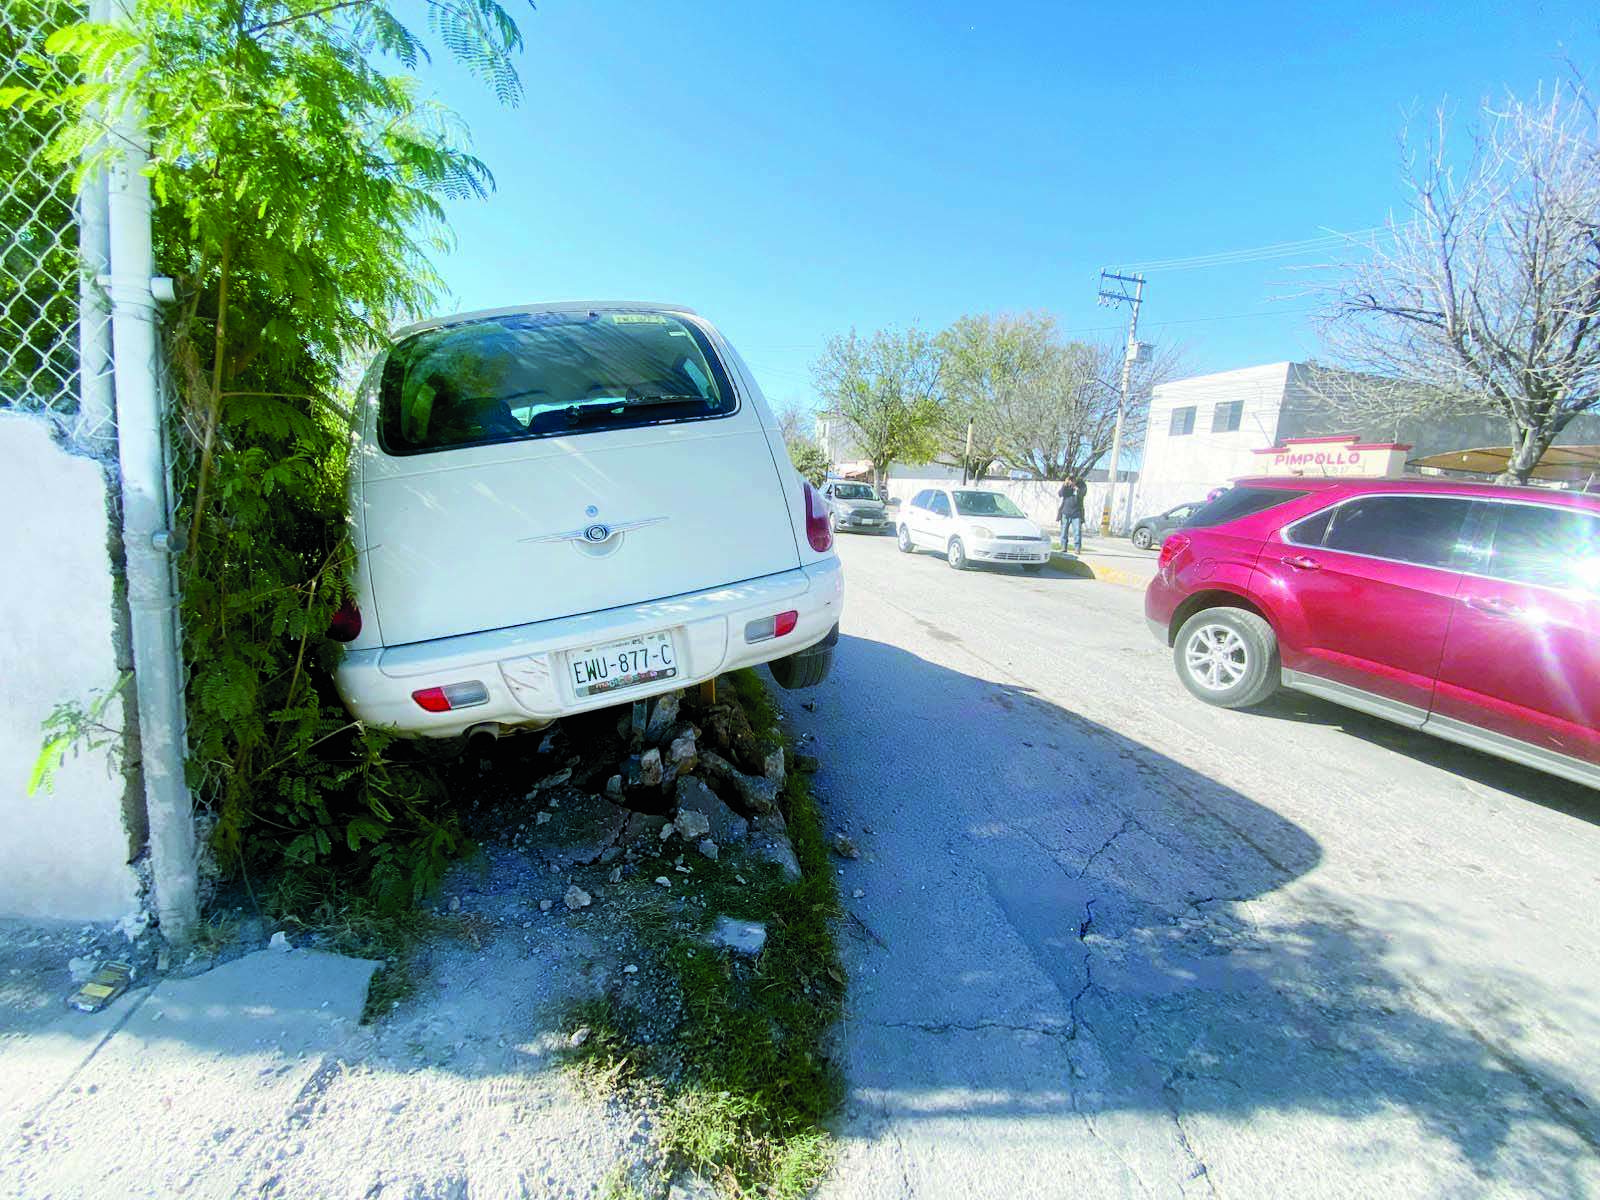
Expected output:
{"points": [[1492, 606], [1302, 562]]}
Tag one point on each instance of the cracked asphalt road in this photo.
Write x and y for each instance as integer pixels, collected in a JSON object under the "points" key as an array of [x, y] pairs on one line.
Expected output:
{"points": [[1114, 942]]}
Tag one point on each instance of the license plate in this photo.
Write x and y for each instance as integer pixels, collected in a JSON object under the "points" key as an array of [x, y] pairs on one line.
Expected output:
{"points": [[613, 666]]}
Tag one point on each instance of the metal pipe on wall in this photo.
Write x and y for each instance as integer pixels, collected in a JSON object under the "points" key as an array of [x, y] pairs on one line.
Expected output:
{"points": [[146, 538]]}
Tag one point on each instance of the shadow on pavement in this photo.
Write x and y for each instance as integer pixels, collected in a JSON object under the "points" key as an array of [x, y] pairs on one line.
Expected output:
{"points": [[1063, 924], [1535, 787]]}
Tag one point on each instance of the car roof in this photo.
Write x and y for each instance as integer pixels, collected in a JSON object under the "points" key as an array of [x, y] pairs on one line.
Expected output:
{"points": [[1424, 486], [557, 306]]}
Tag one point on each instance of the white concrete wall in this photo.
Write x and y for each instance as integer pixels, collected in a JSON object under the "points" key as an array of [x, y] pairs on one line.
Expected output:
{"points": [[63, 854], [1179, 469]]}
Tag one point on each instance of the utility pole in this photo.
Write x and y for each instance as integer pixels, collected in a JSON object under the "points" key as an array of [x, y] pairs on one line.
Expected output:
{"points": [[1112, 297], [966, 462]]}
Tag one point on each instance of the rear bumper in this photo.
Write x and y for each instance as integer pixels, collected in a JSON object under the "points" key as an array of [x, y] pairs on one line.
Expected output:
{"points": [[1161, 600], [525, 669]]}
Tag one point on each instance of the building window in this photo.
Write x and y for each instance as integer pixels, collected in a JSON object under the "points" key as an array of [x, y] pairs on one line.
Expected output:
{"points": [[1226, 417], [1182, 422]]}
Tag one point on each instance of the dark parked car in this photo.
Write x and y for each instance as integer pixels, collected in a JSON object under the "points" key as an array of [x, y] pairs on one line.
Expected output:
{"points": [[1469, 611], [1150, 531]]}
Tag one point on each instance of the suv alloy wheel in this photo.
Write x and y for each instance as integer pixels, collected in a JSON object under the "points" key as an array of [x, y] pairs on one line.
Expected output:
{"points": [[1228, 657]]}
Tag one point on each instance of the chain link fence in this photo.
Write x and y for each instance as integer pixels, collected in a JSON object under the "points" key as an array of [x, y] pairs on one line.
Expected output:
{"points": [[51, 304]]}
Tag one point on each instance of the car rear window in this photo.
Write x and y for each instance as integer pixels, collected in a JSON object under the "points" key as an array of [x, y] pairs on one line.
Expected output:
{"points": [[1239, 502], [534, 375], [1551, 547]]}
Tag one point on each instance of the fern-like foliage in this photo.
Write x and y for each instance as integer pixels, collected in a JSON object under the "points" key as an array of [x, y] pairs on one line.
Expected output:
{"points": [[298, 189]]}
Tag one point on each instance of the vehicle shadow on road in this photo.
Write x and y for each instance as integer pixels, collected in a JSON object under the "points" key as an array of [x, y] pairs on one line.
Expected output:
{"points": [[1536, 787], [1062, 927]]}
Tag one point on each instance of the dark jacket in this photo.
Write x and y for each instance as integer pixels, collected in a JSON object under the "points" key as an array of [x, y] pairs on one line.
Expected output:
{"points": [[1071, 506]]}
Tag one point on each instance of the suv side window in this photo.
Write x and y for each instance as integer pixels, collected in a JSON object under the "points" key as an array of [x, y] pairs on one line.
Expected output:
{"points": [[1550, 547], [1425, 530], [940, 505]]}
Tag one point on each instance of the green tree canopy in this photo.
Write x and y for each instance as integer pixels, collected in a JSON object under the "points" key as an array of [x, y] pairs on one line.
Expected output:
{"points": [[886, 389]]}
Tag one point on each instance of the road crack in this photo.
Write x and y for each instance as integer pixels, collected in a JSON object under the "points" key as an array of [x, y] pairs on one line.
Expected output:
{"points": [[1169, 1092]]}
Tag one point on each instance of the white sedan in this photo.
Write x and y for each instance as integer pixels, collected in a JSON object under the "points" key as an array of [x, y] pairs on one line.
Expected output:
{"points": [[970, 525]]}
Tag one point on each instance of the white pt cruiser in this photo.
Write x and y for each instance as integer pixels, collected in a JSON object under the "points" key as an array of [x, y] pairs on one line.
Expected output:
{"points": [[564, 507]]}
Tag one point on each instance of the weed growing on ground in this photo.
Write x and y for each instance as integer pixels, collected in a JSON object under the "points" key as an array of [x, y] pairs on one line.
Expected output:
{"points": [[731, 1054]]}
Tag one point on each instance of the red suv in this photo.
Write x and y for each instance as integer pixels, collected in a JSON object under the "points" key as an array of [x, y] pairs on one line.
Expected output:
{"points": [[1470, 611]]}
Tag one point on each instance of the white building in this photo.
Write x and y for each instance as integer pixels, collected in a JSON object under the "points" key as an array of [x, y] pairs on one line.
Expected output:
{"points": [[1208, 430]]}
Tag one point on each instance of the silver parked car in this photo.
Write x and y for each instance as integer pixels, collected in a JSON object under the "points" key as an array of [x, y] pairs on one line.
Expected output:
{"points": [[854, 507]]}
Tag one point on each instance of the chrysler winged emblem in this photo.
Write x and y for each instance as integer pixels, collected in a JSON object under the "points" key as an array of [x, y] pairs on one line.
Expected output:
{"points": [[596, 533]]}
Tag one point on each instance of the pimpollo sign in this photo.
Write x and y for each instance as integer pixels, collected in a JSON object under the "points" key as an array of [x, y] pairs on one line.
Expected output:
{"points": [[1345, 456]]}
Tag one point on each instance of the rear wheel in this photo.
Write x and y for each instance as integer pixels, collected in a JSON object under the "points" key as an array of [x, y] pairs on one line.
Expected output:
{"points": [[1142, 537], [1228, 657], [903, 540], [803, 670], [956, 555]]}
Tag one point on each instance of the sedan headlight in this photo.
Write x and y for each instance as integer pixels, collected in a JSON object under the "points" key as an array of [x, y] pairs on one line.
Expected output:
{"points": [[982, 531]]}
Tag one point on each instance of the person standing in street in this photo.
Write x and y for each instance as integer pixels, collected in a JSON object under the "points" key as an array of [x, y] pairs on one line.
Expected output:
{"points": [[1070, 513]]}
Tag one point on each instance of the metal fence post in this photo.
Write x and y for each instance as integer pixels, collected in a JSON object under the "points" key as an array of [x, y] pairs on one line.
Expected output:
{"points": [[146, 538], [94, 429]]}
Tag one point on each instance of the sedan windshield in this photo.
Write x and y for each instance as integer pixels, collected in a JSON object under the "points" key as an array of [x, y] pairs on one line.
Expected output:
{"points": [[529, 375], [985, 504], [853, 491]]}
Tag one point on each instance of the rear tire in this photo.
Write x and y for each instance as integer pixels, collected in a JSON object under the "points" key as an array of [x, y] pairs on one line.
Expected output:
{"points": [[903, 539], [803, 670], [1142, 538], [956, 555], [1228, 657]]}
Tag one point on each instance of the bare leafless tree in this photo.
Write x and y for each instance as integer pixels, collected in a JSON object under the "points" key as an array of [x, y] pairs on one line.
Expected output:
{"points": [[1484, 295], [1062, 422]]}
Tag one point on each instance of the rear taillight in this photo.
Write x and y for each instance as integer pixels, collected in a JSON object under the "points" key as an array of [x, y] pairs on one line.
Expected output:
{"points": [[346, 623], [1170, 549], [817, 531], [768, 628], [451, 696]]}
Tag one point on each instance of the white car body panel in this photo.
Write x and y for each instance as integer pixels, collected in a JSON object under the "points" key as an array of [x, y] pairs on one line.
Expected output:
{"points": [[471, 559]]}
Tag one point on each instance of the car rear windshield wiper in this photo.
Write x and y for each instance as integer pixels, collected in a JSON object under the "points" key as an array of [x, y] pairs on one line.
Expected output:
{"points": [[579, 412]]}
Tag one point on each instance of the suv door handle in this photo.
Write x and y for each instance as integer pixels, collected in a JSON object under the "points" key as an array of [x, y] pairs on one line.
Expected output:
{"points": [[1302, 562], [1492, 606]]}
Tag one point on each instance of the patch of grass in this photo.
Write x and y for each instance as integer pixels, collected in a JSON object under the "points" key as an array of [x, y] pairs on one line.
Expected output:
{"points": [[739, 1076], [618, 1185]]}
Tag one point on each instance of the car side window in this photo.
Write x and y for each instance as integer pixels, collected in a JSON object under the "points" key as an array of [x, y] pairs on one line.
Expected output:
{"points": [[940, 505], [1550, 547], [1425, 530], [920, 500]]}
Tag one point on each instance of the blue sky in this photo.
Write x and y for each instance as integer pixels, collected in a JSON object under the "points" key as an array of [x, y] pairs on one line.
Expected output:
{"points": [[792, 170]]}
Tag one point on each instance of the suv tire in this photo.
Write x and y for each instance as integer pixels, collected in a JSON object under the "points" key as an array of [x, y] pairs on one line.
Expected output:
{"points": [[1228, 657]]}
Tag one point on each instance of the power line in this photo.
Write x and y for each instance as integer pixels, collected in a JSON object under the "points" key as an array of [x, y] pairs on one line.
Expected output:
{"points": [[1222, 258]]}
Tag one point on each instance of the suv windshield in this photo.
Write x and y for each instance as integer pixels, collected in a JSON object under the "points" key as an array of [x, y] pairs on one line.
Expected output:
{"points": [[533, 375], [853, 491], [985, 504], [1239, 502]]}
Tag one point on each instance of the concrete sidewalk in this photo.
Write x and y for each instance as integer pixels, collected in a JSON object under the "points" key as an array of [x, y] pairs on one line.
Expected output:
{"points": [[138, 1099], [1110, 560]]}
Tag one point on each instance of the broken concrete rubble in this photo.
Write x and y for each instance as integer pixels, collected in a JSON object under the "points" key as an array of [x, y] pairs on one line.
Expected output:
{"points": [[742, 937], [663, 715], [722, 823], [755, 793]]}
